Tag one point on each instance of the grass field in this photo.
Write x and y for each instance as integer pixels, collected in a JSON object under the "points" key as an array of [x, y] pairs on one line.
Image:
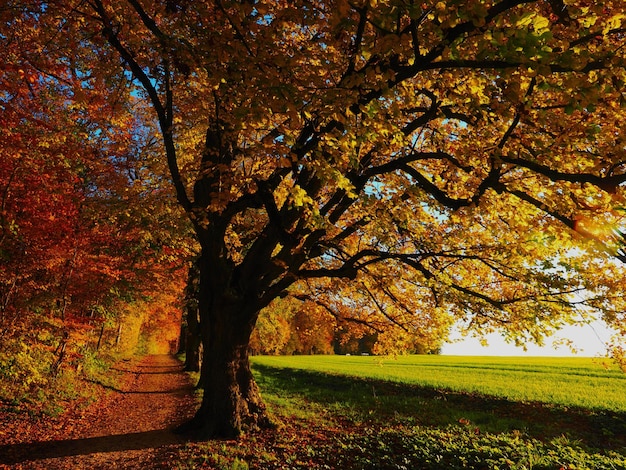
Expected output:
{"points": [[580, 382], [430, 413]]}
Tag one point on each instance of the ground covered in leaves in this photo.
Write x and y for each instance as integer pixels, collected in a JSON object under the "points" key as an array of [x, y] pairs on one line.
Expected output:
{"points": [[128, 427], [323, 422]]}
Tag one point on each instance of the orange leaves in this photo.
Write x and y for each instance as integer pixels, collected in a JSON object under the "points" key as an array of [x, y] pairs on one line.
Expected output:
{"points": [[436, 145], [83, 211]]}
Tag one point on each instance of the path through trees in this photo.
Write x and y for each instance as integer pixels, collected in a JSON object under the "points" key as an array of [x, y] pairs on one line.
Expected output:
{"points": [[130, 428]]}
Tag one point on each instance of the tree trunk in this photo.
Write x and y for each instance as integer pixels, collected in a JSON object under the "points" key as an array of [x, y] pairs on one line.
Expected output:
{"points": [[118, 336], [182, 338], [231, 401], [192, 333], [100, 337], [192, 342]]}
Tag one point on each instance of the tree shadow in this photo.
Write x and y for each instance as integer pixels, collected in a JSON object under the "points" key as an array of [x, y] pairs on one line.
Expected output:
{"points": [[33, 451], [18, 453], [174, 391], [165, 371], [369, 399]]}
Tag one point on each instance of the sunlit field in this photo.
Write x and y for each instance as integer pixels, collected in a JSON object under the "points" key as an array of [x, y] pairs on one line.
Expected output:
{"points": [[591, 383], [430, 413]]}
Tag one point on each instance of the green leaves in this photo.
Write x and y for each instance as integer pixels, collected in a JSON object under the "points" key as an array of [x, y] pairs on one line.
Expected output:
{"points": [[458, 448]]}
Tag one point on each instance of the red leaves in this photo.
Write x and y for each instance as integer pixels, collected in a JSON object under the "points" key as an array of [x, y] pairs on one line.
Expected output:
{"points": [[76, 204]]}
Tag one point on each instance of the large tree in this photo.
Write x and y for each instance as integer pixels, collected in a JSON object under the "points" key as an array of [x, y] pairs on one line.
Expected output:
{"points": [[407, 162]]}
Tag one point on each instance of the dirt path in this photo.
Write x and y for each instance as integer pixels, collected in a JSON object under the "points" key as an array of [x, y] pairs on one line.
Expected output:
{"points": [[129, 429]]}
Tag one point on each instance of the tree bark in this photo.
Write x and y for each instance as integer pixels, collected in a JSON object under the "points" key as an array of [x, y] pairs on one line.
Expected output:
{"points": [[192, 342], [192, 331], [182, 337], [100, 337], [118, 336], [231, 402]]}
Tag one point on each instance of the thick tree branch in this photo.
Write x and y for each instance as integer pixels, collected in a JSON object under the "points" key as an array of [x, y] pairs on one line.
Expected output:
{"points": [[358, 39], [164, 111], [607, 183]]}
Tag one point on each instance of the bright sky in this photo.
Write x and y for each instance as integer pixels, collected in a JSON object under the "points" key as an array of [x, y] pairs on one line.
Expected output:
{"points": [[590, 340]]}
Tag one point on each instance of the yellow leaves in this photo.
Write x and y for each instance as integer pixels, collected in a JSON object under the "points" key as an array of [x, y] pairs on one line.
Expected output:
{"points": [[592, 228], [539, 23], [345, 184], [601, 230], [299, 197], [281, 193], [446, 14], [277, 249], [233, 242], [613, 23], [476, 87], [217, 85], [590, 18], [587, 20], [441, 7], [294, 196]]}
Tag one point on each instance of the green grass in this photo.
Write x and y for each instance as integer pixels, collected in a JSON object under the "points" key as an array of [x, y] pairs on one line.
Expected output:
{"points": [[570, 382], [426, 413]]}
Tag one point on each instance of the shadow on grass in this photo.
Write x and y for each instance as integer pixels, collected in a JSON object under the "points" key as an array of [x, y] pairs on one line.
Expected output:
{"points": [[377, 400], [33, 451]]}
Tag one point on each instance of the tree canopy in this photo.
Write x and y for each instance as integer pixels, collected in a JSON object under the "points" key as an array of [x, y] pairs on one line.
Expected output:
{"points": [[401, 164], [427, 155], [82, 201]]}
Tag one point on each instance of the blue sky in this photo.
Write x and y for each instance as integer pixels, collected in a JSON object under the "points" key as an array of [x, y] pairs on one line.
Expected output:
{"points": [[590, 340]]}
